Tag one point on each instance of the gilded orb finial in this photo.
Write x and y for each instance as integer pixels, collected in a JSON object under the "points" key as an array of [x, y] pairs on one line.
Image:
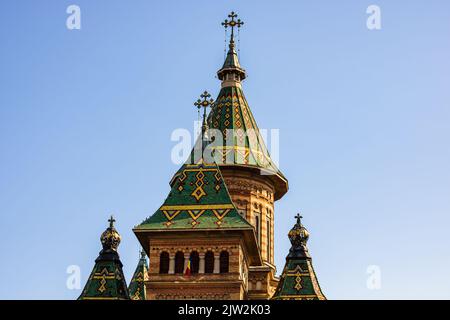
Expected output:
{"points": [[110, 238], [298, 235]]}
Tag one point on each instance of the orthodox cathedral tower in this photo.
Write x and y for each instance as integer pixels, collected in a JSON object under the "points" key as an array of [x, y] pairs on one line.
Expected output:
{"points": [[213, 236], [253, 180], [236, 166]]}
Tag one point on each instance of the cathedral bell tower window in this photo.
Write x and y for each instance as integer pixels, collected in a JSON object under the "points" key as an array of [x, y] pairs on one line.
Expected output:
{"points": [[179, 262], [268, 239], [258, 227], [209, 262], [224, 262], [164, 262], [195, 262]]}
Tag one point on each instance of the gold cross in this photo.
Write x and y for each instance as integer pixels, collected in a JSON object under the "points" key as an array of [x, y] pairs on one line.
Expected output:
{"points": [[232, 23], [205, 103]]}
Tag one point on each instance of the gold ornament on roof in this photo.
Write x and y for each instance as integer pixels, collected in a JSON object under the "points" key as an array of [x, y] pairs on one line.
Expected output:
{"points": [[298, 235], [110, 238]]}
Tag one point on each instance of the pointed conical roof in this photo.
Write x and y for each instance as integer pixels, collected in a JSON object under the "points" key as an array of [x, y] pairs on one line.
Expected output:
{"points": [[107, 281], [298, 280], [242, 144], [231, 64], [199, 201], [237, 138], [231, 115], [137, 283]]}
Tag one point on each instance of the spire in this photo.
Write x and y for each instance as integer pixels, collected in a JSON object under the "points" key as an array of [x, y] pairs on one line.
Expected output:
{"points": [[231, 72], [205, 103], [232, 23], [107, 281], [231, 115], [298, 280], [137, 283]]}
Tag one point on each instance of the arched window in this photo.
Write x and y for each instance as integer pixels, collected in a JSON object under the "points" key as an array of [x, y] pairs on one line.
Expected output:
{"points": [[209, 262], [258, 227], [194, 261], [269, 242], [164, 262], [224, 261], [179, 262]]}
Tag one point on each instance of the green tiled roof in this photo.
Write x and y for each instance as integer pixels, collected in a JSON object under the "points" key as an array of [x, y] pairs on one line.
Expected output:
{"points": [[241, 144], [231, 112], [137, 283], [106, 282], [199, 199], [298, 282]]}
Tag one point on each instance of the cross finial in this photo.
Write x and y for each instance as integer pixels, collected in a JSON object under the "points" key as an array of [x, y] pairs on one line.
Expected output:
{"points": [[299, 218], [111, 221], [232, 23], [205, 103]]}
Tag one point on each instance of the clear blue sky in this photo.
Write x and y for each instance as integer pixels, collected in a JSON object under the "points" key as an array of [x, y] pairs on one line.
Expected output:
{"points": [[86, 118]]}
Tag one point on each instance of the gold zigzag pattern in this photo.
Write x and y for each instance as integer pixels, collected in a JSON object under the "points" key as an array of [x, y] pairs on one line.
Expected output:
{"points": [[196, 211]]}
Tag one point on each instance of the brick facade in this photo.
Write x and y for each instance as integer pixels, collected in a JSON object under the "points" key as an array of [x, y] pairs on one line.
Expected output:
{"points": [[229, 285]]}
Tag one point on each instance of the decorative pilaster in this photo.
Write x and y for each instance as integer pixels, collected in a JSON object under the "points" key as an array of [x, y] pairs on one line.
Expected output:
{"points": [[201, 266], [186, 261], [171, 264], [216, 263]]}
